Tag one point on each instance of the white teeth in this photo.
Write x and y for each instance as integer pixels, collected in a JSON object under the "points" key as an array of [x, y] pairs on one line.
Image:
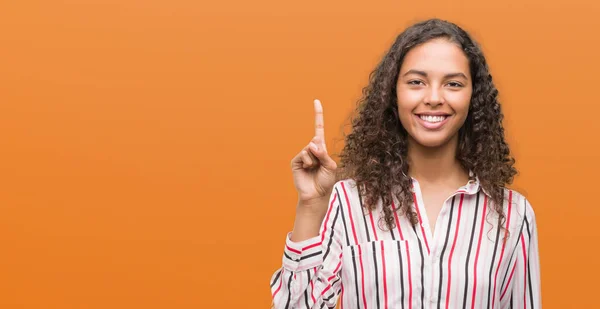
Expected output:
{"points": [[432, 118]]}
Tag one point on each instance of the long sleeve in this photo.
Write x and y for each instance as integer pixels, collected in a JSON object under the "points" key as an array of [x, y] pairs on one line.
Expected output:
{"points": [[310, 276], [526, 289]]}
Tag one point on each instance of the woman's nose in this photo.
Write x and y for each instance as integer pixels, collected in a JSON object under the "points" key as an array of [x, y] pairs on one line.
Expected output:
{"points": [[434, 96]]}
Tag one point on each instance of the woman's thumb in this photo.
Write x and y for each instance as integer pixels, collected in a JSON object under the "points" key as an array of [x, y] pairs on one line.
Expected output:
{"points": [[320, 152]]}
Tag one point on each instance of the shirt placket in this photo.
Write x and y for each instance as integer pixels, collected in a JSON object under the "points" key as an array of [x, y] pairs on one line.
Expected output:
{"points": [[432, 260]]}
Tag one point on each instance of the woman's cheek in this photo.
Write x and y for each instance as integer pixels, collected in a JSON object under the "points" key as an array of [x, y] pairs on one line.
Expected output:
{"points": [[413, 97]]}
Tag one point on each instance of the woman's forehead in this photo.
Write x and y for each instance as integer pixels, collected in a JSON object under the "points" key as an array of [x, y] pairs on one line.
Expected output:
{"points": [[436, 57]]}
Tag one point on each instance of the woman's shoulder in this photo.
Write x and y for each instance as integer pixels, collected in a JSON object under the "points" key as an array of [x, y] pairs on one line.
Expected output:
{"points": [[347, 190], [346, 183], [518, 203]]}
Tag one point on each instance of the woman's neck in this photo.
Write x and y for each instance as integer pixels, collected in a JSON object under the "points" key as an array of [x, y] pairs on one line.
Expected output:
{"points": [[436, 165]]}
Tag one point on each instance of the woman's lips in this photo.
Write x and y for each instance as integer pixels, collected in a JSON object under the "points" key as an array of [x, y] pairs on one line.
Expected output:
{"points": [[432, 125]]}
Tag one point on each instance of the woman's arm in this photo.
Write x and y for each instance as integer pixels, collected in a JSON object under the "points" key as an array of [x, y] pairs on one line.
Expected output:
{"points": [[310, 275], [526, 289]]}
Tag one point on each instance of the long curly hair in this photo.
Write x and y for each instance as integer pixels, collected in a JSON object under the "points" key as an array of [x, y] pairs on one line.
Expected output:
{"points": [[375, 152]]}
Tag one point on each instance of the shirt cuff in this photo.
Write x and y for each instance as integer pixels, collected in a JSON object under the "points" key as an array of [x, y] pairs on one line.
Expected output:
{"points": [[302, 255]]}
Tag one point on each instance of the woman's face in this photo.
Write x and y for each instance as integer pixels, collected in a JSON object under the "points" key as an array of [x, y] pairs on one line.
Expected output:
{"points": [[434, 92]]}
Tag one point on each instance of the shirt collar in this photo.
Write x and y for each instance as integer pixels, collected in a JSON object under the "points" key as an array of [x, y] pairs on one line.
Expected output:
{"points": [[471, 187], [474, 184]]}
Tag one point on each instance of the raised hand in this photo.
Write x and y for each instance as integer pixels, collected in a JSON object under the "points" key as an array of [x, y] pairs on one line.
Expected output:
{"points": [[312, 168]]}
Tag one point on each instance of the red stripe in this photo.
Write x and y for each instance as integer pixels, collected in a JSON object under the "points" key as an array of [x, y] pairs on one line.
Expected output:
{"points": [[373, 224], [477, 254], [503, 247], [325, 290], [280, 281], [508, 282], [312, 288], [524, 272], [421, 221], [293, 250], [384, 277], [362, 277], [336, 268], [397, 222], [324, 226], [330, 278], [452, 250], [327, 218], [313, 245]]}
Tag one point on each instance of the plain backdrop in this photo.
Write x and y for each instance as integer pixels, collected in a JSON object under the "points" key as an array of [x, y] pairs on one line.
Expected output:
{"points": [[145, 146]]}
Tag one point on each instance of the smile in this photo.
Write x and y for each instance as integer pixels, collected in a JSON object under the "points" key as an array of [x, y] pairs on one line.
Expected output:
{"points": [[432, 122], [433, 119]]}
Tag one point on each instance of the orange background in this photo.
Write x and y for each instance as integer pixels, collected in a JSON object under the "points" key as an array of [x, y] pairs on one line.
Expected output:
{"points": [[145, 145]]}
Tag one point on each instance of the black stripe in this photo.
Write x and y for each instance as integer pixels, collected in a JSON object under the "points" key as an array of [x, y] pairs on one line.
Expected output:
{"points": [[323, 305], [330, 296], [527, 223], [355, 279], [492, 266], [469, 251], [289, 257], [332, 291], [508, 268], [306, 291], [333, 283], [364, 217], [401, 268], [343, 219], [528, 267], [401, 274], [374, 250], [311, 255], [514, 254], [276, 277], [338, 279], [442, 255], [511, 301], [376, 275], [287, 303], [422, 264], [337, 212]]}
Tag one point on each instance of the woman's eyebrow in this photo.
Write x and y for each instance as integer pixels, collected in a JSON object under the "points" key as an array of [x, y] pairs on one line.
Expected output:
{"points": [[424, 74]]}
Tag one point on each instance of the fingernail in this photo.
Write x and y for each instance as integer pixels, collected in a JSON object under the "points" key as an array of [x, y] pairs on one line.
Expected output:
{"points": [[313, 146]]}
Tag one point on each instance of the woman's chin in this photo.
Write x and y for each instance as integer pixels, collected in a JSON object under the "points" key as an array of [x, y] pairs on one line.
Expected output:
{"points": [[432, 141], [431, 144]]}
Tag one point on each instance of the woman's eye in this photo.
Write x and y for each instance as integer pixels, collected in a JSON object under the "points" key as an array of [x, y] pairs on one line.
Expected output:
{"points": [[452, 84]]}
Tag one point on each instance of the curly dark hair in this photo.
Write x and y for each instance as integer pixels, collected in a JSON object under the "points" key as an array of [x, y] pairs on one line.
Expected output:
{"points": [[375, 152]]}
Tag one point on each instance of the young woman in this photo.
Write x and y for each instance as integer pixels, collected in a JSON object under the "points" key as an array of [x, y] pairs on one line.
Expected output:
{"points": [[417, 215]]}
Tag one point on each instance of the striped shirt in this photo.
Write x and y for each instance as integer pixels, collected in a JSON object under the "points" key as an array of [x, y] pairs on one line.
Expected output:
{"points": [[464, 264]]}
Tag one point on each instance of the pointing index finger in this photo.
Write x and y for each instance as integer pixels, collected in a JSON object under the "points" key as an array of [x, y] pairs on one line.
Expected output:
{"points": [[319, 127]]}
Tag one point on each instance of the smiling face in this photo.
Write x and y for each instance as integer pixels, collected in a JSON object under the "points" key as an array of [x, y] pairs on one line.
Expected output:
{"points": [[434, 92]]}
